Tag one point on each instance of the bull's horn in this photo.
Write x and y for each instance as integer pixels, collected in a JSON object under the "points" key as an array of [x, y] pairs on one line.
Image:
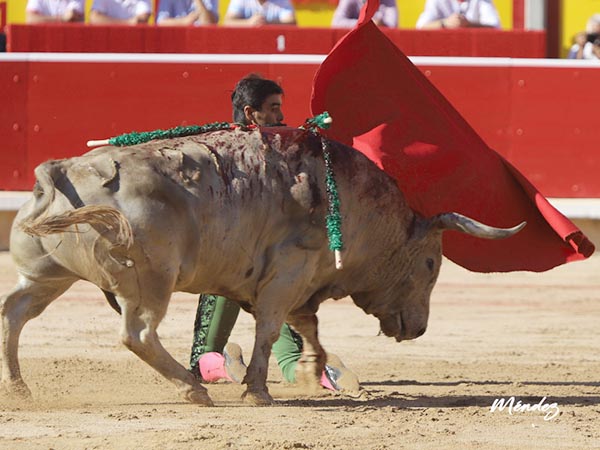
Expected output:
{"points": [[458, 222]]}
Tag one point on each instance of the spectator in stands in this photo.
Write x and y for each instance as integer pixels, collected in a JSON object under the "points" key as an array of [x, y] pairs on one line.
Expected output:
{"points": [[253, 13], [458, 14], [583, 42], [187, 12], [132, 12], [581, 47], [596, 48], [43, 11], [347, 11]]}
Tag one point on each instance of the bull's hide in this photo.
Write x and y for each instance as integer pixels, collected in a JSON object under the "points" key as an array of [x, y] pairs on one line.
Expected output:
{"points": [[238, 213]]}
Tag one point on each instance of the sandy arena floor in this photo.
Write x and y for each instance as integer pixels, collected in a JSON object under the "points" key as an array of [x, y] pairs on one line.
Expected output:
{"points": [[531, 336]]}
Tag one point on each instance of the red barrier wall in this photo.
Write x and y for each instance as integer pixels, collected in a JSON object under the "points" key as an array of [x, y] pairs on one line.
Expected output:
{"points": [[537, 113], [14, 84], [266, 40], [540, 117]]}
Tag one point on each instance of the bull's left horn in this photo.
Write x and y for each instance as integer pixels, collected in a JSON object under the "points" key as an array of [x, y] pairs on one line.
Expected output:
{"points": [[464, 224]]}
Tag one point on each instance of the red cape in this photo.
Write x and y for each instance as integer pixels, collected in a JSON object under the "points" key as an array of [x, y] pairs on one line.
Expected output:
{"points": [[382, 105]]}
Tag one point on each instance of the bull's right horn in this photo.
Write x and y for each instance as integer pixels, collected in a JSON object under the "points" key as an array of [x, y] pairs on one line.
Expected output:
{"points": [[464, 224]]}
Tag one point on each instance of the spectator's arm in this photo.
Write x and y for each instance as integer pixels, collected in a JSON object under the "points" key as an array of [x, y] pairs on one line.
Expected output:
{"points": [[387, 14], [344, 15], [202, 16], [235, 16], [287, 18], [433, 25], [33, 17], [488, 17], [453, 21], [343, 22], [178, 21], [207, 15], [287, 14], [237, 20], [98, 18], [71, 15], [164, 16], [429, 18]]}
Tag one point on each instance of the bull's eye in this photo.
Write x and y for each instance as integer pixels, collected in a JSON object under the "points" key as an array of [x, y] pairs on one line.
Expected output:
{"points": [[429, 263]]}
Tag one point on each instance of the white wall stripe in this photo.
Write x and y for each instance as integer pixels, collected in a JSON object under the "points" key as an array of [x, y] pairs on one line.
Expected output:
{"points": [[164, 58], [285, 59]]}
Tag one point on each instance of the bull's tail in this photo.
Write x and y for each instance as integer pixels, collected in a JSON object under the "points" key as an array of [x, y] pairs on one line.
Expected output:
{"points": [[95, 215]]}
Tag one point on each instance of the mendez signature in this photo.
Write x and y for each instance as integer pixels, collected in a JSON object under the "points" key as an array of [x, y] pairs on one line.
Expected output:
{"points": [[551, 409]]}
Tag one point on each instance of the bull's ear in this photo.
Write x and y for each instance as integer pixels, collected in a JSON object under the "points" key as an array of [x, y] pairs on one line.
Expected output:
{"points": [[464, 224]]}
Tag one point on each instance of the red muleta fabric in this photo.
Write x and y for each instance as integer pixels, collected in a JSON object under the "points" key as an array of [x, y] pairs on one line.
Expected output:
{"points": [[382, 105]]}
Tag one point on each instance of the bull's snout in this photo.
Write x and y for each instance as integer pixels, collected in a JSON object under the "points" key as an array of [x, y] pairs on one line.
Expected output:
{"points": [[405, 336], [399, 328]]}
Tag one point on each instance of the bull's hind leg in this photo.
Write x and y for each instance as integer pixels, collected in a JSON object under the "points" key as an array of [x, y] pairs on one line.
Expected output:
{"points": [[27, 300], [312, 362], [138, 333]]}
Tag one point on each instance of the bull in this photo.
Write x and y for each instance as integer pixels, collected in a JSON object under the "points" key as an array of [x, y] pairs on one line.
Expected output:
{"points": [[241, 213]]}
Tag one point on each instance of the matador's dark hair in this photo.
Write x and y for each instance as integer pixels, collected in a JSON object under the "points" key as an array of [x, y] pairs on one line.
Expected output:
{"points": [[251, 90]]}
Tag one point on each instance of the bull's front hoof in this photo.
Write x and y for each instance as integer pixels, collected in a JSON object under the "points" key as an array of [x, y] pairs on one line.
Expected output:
{"points": [[16, 390], [257, 398], [199, 398]]}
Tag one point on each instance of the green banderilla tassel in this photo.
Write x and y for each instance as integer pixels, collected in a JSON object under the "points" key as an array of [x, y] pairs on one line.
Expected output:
{"points": [[334, 218], [135, 138], [321, 121]]}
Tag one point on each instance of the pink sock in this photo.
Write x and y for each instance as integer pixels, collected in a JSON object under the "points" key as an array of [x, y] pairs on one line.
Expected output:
{"points": [[212, 367], [325, 382]]}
